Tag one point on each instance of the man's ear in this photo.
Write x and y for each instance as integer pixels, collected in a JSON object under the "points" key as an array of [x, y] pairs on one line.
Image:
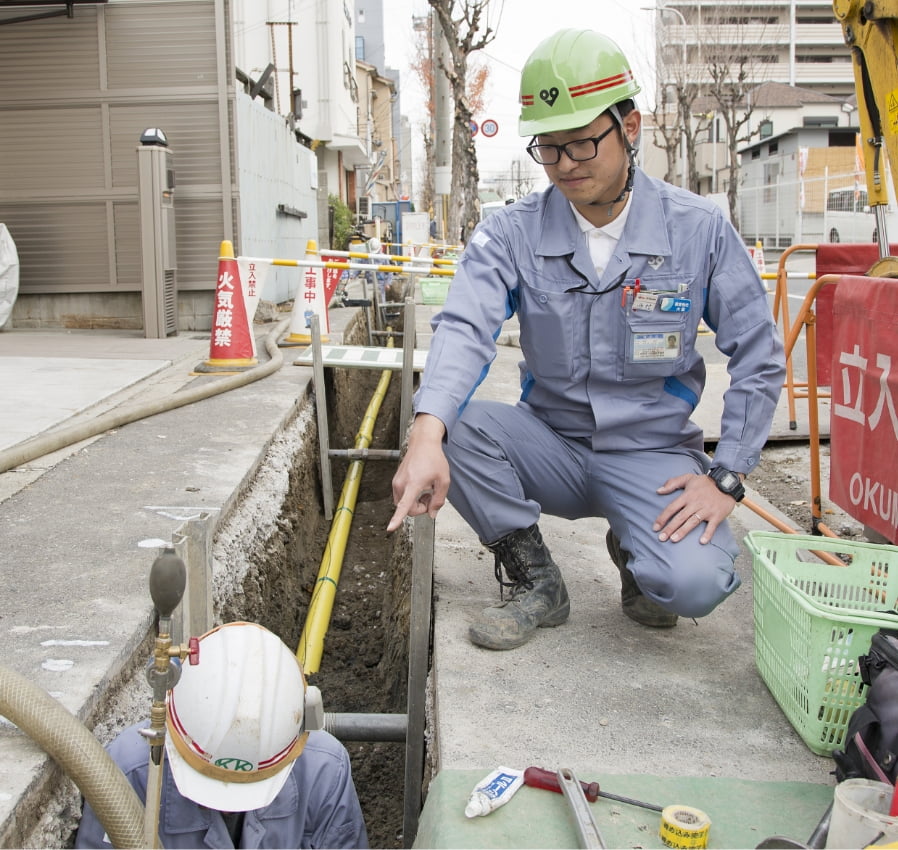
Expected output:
{"points": [[632, 123]]}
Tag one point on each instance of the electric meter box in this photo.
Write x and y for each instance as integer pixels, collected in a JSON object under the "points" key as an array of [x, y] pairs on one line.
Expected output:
{"points": [[158, 249]]}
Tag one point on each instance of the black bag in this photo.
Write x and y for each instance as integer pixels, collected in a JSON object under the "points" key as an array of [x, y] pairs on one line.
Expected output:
{"points": [[872, 734]]}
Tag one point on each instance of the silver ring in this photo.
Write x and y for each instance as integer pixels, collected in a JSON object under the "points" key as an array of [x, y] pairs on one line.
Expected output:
{"points": [[697, 517]]}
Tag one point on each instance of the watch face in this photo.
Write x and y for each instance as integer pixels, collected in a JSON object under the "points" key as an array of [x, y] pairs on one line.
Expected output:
{"points": [[729, 480]]}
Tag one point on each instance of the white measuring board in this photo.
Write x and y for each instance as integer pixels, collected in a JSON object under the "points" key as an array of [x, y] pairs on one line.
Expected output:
{"points": [[362, 357]]}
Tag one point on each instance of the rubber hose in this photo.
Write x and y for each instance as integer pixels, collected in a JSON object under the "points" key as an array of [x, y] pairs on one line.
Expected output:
{"points": [[63, 737], [67, 436]]}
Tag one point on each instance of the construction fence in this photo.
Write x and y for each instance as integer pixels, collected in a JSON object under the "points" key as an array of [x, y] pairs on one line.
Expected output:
{"points": [[831, 207]]}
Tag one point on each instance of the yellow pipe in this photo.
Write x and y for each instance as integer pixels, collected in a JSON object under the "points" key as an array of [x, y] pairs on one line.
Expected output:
{"points": [[311, 641]]}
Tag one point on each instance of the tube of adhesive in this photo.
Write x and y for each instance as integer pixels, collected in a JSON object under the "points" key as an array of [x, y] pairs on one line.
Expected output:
{"points": [[493, 791]]}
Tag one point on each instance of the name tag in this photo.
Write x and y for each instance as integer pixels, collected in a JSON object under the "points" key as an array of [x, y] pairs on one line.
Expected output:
{"points": [[675, 305]]}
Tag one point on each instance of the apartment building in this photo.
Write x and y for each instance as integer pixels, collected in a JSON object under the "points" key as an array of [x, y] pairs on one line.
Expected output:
{"points": [[796, 42]]}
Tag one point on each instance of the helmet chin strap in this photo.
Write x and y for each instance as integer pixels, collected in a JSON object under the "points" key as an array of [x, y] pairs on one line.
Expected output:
{"points": [[631, 156]]}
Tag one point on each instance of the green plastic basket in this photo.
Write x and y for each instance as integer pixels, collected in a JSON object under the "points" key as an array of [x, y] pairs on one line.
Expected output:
{"points": [[813, 620], [435, 289]]}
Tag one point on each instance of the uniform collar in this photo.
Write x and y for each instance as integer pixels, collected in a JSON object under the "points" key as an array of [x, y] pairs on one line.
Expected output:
{"points": [[644, 233]]}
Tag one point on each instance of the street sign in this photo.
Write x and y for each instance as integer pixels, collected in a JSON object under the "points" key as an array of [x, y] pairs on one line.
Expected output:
{"points": [[489, 128], [473, 128]]}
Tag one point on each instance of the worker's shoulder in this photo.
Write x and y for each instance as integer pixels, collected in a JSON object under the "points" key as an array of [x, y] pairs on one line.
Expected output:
{"points": [[323, 745], [129, 749], [675, 196]]}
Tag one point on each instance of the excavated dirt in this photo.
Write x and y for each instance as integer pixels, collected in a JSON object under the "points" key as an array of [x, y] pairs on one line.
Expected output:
{"points": [[364, 665], [784, 478]]}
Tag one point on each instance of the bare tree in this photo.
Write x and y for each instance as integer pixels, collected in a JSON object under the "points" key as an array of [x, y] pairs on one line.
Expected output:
{"points": [[461, 22], [733, 72], [677, 60], [729, 89], [666, 130], [701, 79]]}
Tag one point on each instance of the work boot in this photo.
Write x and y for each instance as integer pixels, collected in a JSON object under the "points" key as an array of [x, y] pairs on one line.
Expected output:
{"points": [[636, 606], [537, 595]]}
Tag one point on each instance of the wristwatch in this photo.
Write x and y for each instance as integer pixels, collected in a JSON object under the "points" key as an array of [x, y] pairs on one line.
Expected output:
{"points": [[728, 482]]}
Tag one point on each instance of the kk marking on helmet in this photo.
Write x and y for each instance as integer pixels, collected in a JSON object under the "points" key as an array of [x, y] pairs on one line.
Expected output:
{"points": [[235, 764]]}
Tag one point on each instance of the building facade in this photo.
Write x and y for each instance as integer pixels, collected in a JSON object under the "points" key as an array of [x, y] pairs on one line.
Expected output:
{"points": [[796, 42], [263, 119]]}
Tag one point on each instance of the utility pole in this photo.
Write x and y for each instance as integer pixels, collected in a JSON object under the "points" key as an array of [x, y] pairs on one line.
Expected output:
{"points": [[443, 129]]}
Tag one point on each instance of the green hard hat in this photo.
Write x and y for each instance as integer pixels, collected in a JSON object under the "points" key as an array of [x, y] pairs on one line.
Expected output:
{"points": [[570, 79]]}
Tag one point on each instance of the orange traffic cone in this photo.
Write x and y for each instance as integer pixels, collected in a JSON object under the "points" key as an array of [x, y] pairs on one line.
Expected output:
{"points": [[310, 301], [231, 347]]}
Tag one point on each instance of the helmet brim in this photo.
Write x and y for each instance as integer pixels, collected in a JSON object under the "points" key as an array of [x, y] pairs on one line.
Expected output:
{"points": [[224, 796], [555, 124]]}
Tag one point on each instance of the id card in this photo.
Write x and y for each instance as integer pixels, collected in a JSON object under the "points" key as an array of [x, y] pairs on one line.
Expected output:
{"points": [[655, 346]]}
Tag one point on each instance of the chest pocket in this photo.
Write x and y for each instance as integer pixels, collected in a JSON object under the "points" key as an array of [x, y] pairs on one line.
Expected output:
{"points": [[556, 343], [657, 342]]}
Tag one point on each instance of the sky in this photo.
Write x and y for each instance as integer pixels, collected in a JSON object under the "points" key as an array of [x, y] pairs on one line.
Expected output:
{"points": [[520, 28]]}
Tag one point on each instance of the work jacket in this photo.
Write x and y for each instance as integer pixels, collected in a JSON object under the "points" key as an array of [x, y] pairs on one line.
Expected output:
{"points": [[317, 807], [614, 361]]}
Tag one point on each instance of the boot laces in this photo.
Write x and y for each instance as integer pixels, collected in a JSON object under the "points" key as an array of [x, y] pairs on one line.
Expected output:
{"points": [[519, 580]]}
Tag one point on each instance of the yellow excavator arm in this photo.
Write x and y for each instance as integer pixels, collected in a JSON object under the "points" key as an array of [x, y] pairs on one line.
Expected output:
{"points": [[870, 28]]}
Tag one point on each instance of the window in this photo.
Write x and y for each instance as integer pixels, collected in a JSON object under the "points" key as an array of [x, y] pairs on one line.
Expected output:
{"points": [[360, 48], [841, 139], [847, 200]]}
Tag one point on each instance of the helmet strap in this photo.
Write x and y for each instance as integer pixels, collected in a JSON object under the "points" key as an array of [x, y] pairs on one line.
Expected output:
{"points": [[631, 156]]}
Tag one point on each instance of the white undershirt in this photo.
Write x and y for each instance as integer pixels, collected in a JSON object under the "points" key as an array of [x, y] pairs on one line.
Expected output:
{"points": [[602, 240]]}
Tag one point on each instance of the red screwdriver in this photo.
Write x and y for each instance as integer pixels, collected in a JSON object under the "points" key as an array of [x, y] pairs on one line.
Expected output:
{"points": [[538, 777]]}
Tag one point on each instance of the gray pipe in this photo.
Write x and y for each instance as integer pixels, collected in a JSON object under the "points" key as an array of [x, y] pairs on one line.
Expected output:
{"points": [[366, 727], [67, 436], [63, 737]]}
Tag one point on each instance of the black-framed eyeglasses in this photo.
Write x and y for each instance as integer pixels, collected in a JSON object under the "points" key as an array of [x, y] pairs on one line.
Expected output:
{"points": [[580, 150]]}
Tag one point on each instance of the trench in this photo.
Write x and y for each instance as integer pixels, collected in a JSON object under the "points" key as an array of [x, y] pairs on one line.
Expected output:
{"points": [[266, 556], [364, 667]]}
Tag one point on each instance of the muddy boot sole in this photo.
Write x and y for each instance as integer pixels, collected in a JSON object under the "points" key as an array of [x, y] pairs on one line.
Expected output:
{"points": [[499, 628]]}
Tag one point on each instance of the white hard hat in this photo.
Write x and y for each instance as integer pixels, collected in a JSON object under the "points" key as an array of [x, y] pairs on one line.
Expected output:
{"points": [[235, 720]]}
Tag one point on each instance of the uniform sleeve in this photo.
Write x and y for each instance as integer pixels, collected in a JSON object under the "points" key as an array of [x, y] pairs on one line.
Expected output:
{"points": [[739, 313], [481, 298], [129, 751]]}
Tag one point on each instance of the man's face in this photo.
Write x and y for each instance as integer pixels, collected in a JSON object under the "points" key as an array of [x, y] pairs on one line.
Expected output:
{"points": [[600, 179]]}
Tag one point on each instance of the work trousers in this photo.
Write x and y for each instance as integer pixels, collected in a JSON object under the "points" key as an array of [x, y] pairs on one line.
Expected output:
{"points": [[508, 467]]}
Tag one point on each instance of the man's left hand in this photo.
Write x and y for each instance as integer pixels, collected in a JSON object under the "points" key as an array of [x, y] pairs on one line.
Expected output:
{"points": [[699, 503]]}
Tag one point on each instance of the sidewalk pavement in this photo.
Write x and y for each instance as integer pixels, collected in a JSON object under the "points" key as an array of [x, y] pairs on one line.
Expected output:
{"points": [[676, 716]]}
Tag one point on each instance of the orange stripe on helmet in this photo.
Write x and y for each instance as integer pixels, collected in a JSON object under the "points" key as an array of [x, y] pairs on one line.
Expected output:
{"points": [[600, 85]]}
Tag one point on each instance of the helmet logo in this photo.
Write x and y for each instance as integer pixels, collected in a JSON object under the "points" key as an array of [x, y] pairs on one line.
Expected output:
{"points": [[235, 764], [549, 95]]}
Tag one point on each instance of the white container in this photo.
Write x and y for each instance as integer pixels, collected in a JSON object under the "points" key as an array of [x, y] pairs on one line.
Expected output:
{"points": [[493, 791], [861, 815]]}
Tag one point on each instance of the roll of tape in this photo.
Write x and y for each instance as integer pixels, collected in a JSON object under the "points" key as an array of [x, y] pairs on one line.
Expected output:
{"points": [[684, 827]]}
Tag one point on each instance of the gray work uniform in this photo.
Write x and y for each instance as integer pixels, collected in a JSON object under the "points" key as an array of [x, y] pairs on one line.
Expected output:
{"points": [[317, 807], [609, 379]]}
